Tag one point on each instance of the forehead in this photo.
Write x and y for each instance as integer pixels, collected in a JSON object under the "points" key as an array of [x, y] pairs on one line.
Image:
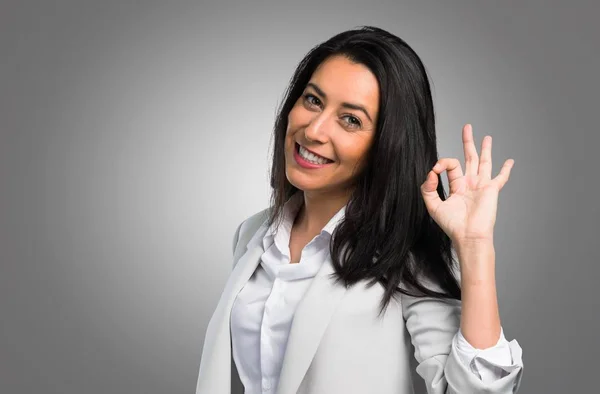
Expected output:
{"points": [[342, 80]]}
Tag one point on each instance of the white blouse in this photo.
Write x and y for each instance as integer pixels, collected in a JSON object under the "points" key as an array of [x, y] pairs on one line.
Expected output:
{"points": [[263, 310]]}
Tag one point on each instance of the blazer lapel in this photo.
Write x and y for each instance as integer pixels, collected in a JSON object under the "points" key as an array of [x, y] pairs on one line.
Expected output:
{"points": [[215, 367], [308, 326]]}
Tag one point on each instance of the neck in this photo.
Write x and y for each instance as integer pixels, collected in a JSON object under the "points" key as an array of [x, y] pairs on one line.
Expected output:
{"points": [[319, 208]]}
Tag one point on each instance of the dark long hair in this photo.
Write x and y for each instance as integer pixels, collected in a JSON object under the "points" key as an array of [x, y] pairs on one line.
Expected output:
{"points": [[387, 236]]}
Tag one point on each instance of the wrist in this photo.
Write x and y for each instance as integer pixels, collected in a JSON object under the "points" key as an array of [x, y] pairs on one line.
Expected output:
{"points": [[474, 246], [477, 262]]}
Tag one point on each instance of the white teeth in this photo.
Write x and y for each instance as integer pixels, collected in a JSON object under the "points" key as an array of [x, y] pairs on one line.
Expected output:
{"points": [[311, 157]]}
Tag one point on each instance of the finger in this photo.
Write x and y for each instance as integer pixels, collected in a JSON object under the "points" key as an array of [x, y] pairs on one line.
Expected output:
{"points": [[451, 165], [429, 191], [501, 179], [485, 161], [471, 157]]}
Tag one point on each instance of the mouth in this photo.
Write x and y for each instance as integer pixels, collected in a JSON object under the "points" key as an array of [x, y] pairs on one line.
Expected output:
{"points": [[297, 148], [309, 163]]}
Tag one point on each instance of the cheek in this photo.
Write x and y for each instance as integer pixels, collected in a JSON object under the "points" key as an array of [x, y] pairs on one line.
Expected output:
{"points": [[351, 151], [292, 123], [294, 114], [299, 116]]}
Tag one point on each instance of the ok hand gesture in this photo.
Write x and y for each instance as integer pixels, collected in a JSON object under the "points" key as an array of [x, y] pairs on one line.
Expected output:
{"points": [[469, 213]]}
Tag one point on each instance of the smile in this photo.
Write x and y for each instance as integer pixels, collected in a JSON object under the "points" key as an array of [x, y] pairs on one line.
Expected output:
{"points": [[307, 159]]}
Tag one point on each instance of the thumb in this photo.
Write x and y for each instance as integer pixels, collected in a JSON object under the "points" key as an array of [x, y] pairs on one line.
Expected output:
{"points": [[429, 192]]}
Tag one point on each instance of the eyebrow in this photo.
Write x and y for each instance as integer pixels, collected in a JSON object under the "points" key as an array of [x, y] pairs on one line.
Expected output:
{"points": [[344, 104]]}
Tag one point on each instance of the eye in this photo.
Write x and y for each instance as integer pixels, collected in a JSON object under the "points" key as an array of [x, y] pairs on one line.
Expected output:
{"points": [[355, 123], [307, 98]]}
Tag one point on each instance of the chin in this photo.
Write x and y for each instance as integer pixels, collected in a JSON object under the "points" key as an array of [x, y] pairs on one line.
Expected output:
{"points": [[297, 181], [302, 181]]}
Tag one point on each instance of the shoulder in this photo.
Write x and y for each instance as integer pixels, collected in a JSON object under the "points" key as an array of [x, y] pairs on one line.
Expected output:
{"points": [[254, 221], [248, 227]]}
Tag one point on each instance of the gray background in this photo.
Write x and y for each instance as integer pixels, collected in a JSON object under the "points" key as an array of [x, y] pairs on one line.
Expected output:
{"points": [[134, 138]]}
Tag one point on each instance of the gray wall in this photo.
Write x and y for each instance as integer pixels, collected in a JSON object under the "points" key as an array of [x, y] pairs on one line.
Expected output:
{"points": [[134, 137]]}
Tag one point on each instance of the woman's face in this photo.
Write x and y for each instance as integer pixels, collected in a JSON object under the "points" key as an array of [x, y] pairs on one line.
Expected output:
{"points": [[327, 120]]}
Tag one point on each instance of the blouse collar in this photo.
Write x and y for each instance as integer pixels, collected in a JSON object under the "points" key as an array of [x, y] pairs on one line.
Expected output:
{"points": [[290, 210]]}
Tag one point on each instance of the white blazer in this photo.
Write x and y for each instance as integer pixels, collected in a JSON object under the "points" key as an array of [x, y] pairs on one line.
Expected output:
{"points": [[338, 345]]}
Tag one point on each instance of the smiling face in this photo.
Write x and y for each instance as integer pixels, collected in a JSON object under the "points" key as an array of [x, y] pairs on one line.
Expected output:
{"points": [[327, 120]]}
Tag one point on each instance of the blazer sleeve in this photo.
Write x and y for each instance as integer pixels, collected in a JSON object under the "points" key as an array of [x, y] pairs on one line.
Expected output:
{"points": [[433, 325], [492, 363]]}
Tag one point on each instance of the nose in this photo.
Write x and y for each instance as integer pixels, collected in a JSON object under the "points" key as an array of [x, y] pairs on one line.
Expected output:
{"points": [[316, 131]]}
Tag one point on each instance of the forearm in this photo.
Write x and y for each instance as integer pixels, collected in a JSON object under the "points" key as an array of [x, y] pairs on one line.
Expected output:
{"points": [[480, 318]]}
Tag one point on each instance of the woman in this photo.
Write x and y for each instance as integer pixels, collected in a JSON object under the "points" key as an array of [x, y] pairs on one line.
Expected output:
{"points": [[353, 261]]}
